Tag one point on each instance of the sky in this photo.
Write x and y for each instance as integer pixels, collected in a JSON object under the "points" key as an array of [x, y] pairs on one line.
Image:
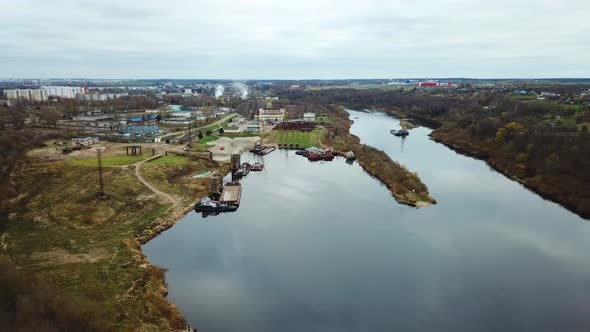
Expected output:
{"points": [[302, 39]]}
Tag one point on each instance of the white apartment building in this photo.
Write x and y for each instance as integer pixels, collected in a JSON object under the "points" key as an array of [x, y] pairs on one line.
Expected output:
{"points": [[26, 94], [63, 91]]}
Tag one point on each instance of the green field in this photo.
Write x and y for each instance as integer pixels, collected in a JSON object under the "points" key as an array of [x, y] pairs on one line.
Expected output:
{"points": [[242, 134], [110, 161], [304, 139], [177, 160], [207, 139], [322, 118]]}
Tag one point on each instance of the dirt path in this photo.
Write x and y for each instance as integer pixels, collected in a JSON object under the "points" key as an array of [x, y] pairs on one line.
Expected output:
{"points": [[172, 199]]}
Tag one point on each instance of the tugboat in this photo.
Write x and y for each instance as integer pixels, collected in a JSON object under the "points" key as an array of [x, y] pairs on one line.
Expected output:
{"points": [[206, 204], [243, 170], [349, 156], [257, 148], [257, 167], [401, 132]]}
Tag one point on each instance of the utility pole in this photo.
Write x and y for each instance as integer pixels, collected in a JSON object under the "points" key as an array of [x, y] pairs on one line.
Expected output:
{"points": [[190, 138], [101, 193]]}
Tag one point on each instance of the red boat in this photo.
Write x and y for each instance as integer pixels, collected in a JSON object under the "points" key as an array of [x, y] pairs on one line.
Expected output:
{"points": [[329, 156], [314, 157]]}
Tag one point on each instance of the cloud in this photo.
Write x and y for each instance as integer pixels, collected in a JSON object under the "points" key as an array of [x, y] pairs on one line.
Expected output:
{"points": [[294, 39]]}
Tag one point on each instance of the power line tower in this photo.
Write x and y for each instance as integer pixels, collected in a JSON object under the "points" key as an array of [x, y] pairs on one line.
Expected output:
{"points": [[101, 193], [190, 136]]}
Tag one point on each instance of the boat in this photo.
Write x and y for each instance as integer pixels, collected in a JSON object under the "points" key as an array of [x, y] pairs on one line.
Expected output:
{"points": [[257, 148], [206, 204], [302, 153], [312, 156], [244, 169], [401, 132], [262, 150], [349, 156], [328, 156], [257, 167]]}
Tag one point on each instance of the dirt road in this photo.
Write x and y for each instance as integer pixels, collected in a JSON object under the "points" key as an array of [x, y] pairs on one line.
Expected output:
{"points": [[172, 199]]}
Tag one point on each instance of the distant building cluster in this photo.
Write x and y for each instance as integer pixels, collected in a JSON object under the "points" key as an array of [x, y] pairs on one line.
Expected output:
{"points": [[26, 94], [100, 96]]}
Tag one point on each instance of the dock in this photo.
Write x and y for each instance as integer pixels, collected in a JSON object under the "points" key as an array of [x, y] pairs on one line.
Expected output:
{"points": [[231, 194]]}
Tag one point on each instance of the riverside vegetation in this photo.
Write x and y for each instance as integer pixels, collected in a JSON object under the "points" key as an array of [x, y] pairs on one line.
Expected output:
{"points": [[72, 261]]}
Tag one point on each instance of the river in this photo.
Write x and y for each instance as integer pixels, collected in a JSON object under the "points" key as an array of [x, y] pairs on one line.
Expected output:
{"points": [[324, 247]]}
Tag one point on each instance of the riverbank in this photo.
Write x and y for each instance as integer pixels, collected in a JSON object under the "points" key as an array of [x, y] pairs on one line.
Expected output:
{"points": [[548, 188], [88, 248], [562, 188], [405, 186]]}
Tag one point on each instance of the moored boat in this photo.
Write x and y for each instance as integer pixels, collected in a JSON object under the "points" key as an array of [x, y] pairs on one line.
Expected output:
{"points": [[206, 204], [257, 167]]}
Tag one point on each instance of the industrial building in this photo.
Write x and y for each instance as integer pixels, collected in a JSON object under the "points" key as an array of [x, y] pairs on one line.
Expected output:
{"points": [[140, 129], [270, 115], [309, 117], [85, 141], [254, 127]]}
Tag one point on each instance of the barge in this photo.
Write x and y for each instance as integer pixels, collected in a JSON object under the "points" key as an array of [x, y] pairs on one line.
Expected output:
{"points": [[231, 194], [316, 154]]}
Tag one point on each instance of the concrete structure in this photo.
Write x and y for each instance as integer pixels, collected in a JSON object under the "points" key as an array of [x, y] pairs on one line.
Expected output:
{"points": [[270, 115], [69, 92], [26, 94], [309, 117], [85, 141]]}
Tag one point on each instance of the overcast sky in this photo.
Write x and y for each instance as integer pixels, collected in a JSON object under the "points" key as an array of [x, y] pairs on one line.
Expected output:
{"points": [[294, 39]]}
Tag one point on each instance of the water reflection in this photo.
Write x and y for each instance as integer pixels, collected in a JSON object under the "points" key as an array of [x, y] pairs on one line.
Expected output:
{"points": [[324, 247]]}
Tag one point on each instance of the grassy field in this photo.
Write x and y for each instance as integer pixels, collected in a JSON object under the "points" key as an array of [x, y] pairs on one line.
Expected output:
{"points": [[304, 139], [63, 234], [242, 134], [174, 175], [207, 139], [109, 161], [322, 118]]}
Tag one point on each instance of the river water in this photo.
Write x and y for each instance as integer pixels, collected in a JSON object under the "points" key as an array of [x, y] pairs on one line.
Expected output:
{"points": [[324, 247]]}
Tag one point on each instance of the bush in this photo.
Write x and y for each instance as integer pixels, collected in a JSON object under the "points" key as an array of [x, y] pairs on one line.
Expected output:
{"points": [[27, 305]]}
